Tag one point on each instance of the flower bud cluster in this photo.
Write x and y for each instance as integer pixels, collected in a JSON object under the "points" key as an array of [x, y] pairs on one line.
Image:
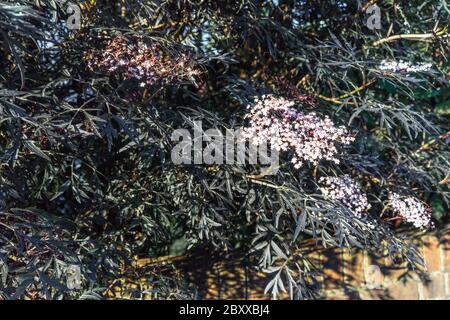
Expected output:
{"points": [[146, 62]]}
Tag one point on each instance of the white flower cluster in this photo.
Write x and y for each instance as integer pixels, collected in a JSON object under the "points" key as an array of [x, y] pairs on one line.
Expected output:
{"points": [[411, 210], [404, 66], [345, 190], [273, 120]]}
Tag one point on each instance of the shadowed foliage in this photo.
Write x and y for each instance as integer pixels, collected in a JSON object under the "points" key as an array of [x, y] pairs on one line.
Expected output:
{"points": [[87, 114]]}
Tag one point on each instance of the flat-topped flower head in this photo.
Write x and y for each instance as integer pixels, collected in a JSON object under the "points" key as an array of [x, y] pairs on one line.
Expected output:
{"points": [[307, 137], [411, 210], [347, 191], [404, 66]]}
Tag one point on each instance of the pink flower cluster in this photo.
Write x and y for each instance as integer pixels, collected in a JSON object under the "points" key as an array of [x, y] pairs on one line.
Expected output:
{"points": [[310, 138], [345, 190], [148, 63], [411, 210]]}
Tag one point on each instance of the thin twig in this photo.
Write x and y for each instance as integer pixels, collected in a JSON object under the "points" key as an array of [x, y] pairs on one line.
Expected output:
{"points": [[410, 37]]}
